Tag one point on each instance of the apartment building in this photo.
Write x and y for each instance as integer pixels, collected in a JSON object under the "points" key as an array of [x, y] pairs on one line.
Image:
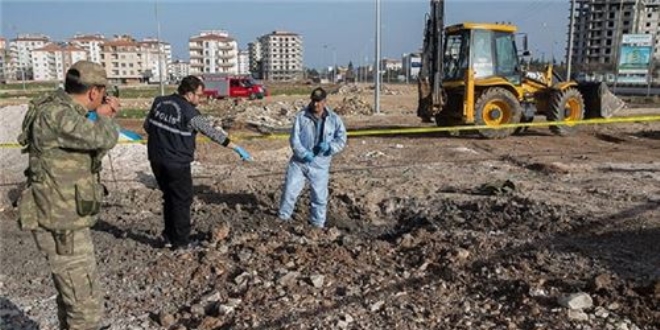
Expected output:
{"points": [[599, 25], [282, 56], [178, 70], [123, 59], [19, 61], [213, 51], [254, 54], [49, 63], [154, 52], [3, 58], [91, 43], [243, 62]]}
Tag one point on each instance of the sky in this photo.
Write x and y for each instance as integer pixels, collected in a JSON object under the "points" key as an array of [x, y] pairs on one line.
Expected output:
{"points": [[333, 31]]}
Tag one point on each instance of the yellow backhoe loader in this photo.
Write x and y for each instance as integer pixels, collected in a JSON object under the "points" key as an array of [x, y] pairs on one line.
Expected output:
{"points": [[471, 74]]}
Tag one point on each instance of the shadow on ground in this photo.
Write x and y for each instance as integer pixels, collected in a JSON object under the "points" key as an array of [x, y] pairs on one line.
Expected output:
{"points": [[11, 317]]}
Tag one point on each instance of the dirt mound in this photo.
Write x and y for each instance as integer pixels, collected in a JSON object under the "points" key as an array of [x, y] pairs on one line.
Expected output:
{"points": [[492, 262]]}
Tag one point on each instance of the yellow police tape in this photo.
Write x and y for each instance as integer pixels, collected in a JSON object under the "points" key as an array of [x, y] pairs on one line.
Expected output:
{"points": [[420, 130]]}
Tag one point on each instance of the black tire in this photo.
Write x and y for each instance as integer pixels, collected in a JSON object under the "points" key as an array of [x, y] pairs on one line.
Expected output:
{"points": [[494, 107], [567, 105]]}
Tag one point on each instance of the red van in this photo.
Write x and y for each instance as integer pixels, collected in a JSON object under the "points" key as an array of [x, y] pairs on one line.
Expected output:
{"points": [[222, 86]]}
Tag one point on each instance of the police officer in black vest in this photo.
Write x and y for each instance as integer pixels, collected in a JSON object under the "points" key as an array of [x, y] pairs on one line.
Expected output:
{"points": [[172, 125]]}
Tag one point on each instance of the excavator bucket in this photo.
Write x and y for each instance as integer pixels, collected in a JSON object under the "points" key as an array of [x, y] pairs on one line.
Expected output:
{"points": [[599, 101], [425, 101]]}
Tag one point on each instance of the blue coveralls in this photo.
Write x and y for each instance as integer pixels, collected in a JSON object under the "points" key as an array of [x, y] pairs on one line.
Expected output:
{"points": [[307, 132]]}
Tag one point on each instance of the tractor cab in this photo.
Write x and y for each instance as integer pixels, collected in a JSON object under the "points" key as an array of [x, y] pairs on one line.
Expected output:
{"points": [[489, 50]]}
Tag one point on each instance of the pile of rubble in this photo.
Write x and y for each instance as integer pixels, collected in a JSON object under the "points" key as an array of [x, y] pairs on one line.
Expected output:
{"points": [[278, 115], [354, 105]]}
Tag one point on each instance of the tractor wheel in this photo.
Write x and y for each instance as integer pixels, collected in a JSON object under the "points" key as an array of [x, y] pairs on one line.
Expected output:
{"points": [[252, 96], [567, 105], [495, 107]]}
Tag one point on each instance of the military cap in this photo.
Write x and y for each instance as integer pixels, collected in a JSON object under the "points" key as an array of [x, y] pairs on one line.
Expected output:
{"points": [[318, 94], [89, 73]]}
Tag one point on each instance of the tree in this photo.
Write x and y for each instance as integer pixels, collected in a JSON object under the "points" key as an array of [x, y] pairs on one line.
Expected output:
{"points": [[350, 73], [311, 74]]}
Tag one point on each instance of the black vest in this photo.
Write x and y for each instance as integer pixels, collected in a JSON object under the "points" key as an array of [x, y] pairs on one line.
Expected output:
{"points": [[171, 140]]}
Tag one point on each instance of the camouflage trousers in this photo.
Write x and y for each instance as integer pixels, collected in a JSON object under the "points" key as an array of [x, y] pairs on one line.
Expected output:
{"points": [[73, 268]]}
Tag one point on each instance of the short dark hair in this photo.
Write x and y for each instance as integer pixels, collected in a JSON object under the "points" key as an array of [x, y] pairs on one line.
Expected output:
{"points": [[189, 84], [72, 83]]}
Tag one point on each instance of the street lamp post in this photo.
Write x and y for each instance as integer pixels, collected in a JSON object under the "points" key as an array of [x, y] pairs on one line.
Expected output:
{"points": [[334, 65], [23, 76], [377, 60], [325, 61], [619, 36], [160, 54], [569, 56]]}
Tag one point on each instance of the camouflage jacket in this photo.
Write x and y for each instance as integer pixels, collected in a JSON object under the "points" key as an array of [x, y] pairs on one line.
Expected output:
{"points": [[65, 149]]}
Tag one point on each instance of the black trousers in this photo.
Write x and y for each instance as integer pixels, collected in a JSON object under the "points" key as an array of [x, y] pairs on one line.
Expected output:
{"points": [[175, 181]]}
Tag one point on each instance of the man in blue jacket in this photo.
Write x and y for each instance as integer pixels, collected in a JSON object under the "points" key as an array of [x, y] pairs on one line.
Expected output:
{"points": [[317, 134], [172, 125]]}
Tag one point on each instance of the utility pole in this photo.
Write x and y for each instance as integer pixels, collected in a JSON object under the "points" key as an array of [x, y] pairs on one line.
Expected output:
{"points": [[619, 34], [334, 65], [23, 76], [377, 61], [569, 56], [160, 54]]}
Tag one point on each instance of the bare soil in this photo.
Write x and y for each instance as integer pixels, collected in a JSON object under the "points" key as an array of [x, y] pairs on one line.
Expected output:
{"points": [[424, 232]]}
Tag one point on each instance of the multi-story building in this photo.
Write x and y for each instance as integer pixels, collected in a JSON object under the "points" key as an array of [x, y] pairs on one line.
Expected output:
{"points": [[91, 43], [19, 64], [123, 59], [388, 64], [3, 58], [213, 51], [155, 52], [282, 56], [178, 70], [411, 62], [600, 24], [49, 63], [243, 62], [254, 51]]}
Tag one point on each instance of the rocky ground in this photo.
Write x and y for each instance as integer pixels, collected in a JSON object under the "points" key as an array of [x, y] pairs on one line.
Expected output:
{"points": [[425, 232]]}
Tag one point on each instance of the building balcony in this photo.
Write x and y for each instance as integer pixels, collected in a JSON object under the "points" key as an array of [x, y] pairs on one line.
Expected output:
{"points": [[226, 56], [226, 65], [226, 47]]}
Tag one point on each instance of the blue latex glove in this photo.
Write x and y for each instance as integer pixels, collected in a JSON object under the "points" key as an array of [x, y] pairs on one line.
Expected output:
{"points": [[308, 157], [322, 148], [244, 154]]}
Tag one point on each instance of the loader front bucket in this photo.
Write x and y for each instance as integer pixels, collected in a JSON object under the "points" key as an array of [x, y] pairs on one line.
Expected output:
{"points": [[425, 100], [599, 101]]}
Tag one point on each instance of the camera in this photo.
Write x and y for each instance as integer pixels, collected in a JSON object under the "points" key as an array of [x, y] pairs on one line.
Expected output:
{"points": [[113, 91]]}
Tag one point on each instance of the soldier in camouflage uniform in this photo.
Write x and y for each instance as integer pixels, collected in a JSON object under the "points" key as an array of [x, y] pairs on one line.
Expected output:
{"points": [[63, 193]]}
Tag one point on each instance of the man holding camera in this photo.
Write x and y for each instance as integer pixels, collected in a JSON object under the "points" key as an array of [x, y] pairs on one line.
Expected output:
{"points": [[63, 192], [318, 133]]}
